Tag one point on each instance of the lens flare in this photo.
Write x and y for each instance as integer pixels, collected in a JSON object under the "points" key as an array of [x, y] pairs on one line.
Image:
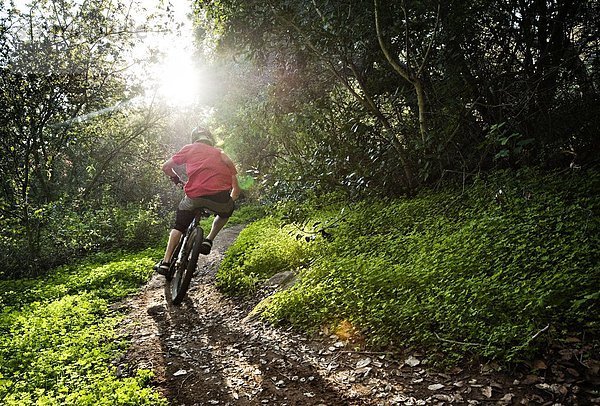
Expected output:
{"points": [[179, 79]]}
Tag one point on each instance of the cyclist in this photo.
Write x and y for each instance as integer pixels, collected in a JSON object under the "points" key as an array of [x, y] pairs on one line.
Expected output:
{"points": [[212, 183]]}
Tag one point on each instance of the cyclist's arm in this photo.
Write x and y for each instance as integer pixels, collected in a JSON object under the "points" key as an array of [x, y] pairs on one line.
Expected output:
{"points": [[235, 190], [169, 169], [235, 186]]}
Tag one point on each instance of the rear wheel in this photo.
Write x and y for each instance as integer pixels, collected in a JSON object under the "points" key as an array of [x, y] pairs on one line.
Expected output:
{"points": [[186, 268]]}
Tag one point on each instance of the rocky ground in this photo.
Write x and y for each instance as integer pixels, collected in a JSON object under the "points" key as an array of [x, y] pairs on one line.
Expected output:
{"points": [[209, 352]]}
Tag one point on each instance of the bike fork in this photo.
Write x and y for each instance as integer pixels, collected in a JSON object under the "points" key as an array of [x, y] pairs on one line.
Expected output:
{"points": [[182, 250]]}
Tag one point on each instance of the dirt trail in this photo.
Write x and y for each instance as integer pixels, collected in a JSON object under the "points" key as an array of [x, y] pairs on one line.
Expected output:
{"points": [[205, 352]]}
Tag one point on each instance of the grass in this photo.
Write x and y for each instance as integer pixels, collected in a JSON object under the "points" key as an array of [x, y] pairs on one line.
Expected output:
{"points": [[473, 273]]}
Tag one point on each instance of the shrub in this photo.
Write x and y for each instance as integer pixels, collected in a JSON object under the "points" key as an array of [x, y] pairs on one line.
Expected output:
{"points": [[70, 230], [261, 250]]}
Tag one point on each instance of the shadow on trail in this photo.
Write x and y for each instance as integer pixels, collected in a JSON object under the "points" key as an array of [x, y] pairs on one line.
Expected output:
{"points": [[227, 365], [205, 354], [185, 355]]}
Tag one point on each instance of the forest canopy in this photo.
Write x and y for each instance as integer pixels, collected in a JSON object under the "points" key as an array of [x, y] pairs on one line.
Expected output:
{"points": [[78, 144], [383, 97]]}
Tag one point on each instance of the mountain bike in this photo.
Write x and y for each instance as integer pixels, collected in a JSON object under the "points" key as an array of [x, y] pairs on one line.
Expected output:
{"points": [[185, 258]]}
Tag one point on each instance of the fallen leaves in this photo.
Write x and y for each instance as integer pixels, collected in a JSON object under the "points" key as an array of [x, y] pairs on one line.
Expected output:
{"points": [[363, 363]]}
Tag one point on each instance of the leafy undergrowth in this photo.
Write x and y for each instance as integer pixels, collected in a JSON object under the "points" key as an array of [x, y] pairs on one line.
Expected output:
{"points": [[263, 249], [499, 269], [58, 335]]}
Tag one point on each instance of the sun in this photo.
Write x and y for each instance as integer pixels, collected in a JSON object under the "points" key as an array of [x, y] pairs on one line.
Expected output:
{"points": [[178, 78]]}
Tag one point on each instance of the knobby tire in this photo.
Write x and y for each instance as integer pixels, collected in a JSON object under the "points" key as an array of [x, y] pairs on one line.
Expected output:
{"points": [[185, 270]]}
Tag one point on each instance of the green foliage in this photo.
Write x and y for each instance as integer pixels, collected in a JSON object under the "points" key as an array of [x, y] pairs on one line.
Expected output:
{"points": [[479, 272], [468, 86], [77, 172], [247, 213], [262, 249], [68, 231], [58, 335]]}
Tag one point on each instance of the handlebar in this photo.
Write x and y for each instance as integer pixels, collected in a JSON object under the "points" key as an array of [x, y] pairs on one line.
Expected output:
{"points": [[176, 180]]}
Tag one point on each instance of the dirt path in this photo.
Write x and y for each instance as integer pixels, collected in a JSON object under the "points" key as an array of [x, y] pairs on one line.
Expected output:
{"points": [[206, 352]]}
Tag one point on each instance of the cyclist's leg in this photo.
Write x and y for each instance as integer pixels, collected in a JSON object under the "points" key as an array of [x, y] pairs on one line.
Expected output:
{"points": [[221, 204], [174, 238], [217, 225]]}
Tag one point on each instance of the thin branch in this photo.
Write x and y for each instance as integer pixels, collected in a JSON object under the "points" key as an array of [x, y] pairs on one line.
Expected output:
{"points": [[435, 29], [406, 39], [318, 11], [538, 333], [401, 71], [458, 342], [368, 352]]}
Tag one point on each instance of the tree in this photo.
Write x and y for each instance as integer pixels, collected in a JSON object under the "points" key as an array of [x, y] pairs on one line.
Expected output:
{"points": [[414, 90], [63, 68]]}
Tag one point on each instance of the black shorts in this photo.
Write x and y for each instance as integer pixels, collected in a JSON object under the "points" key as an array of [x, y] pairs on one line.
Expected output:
{"points": [[220, 203]]}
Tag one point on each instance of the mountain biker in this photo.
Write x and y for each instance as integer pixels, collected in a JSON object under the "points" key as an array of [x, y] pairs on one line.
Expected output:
{"points": [[212, 183]]}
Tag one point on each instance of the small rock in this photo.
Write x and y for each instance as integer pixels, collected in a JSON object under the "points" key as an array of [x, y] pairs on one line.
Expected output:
{"points": [[412, 361], [363, 371], [332, 366], [180, 372], [443, 398], [530, 379], [573, 372], [363, 363], [554, 388], [435, 386]]}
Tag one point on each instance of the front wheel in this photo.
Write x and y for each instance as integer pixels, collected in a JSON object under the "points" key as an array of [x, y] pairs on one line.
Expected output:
{"points": [[186, 268]]}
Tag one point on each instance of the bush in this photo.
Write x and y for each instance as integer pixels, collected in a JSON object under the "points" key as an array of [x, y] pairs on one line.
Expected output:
{"points": [[70, 230], [246, 213], [262, 249]]}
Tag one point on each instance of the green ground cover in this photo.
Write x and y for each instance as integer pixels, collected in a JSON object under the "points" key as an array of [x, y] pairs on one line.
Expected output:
{"points": [[58, 335], [474, 272]]}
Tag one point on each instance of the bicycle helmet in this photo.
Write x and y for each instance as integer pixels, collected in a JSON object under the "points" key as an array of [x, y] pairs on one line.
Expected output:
{"points": [[201, 134]]}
